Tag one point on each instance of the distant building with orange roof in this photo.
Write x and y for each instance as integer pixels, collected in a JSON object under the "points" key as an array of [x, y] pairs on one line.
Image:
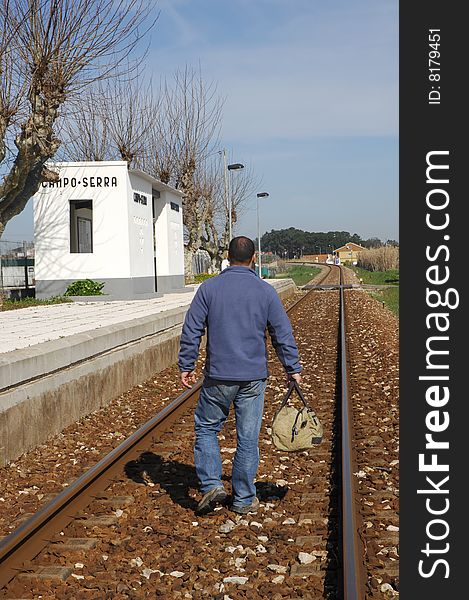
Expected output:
{"points": [[348, 253]]}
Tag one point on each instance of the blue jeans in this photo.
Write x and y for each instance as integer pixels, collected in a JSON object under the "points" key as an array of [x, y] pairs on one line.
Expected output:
{"points": [[212, 410]]}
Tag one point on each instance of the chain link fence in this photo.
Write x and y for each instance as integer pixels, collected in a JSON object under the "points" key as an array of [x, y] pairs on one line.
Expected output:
{"points": [[17, 278]]}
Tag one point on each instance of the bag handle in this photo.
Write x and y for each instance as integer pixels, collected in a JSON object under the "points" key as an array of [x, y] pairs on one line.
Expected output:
{"points": [[293, 385]]}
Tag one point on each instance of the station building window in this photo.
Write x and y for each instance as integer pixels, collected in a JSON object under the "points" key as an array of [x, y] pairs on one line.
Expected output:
{"points": [[81, 226]]}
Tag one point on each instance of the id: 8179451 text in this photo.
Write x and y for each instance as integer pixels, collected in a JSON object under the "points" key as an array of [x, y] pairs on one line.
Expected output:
{"points": [[434, 75]]}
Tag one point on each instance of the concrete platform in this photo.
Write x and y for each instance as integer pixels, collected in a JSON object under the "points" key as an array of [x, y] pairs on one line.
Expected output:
{"points": [[60, 362]]}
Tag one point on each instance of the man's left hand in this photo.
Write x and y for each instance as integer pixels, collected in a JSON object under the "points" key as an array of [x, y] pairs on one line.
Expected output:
{"points": [[293, 377]]}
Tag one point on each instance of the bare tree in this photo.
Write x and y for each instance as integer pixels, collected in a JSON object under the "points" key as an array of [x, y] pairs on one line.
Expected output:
{"points": [[161, 157], [85, 132], [128, 109], [53, 50], [111, 121], [170, 132], [216, 236], [185, 134]]}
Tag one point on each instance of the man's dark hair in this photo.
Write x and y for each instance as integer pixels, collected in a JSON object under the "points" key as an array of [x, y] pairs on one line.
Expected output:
{"points": [[241, 249]]}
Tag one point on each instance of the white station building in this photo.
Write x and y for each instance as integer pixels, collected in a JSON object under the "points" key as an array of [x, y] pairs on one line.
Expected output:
{"points": [[105, 222]]}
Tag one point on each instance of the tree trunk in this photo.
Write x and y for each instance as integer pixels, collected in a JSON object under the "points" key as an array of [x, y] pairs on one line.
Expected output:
{"points": [[36, 144], [188, 272], [216, 263], [212, 242]]}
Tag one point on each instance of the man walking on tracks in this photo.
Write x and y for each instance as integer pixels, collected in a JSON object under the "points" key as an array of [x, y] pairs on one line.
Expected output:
{"points": [[235, 308]]}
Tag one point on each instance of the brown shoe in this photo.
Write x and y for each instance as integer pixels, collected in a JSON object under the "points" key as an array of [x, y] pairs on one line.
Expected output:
{"points": [[249, 508], [215, 496]]}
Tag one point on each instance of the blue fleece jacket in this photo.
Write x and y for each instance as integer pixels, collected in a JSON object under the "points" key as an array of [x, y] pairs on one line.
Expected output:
{"points": [[235, 308]]}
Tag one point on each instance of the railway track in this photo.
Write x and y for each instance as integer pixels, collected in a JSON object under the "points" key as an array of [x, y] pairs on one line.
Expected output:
{"points": [[308, 540]]}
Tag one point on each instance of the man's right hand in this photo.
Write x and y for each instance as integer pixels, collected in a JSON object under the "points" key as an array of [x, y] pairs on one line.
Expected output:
{"points": [[188, 378]]}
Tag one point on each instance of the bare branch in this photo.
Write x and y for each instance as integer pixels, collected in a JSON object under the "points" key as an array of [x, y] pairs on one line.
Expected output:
{"points": [[85, 131], [50, 51]]}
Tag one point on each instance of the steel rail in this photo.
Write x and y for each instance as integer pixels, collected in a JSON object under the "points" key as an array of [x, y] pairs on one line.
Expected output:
{"points": [[33, 535], [325, 276], [351, 545], [30, 538], [352, 551]]}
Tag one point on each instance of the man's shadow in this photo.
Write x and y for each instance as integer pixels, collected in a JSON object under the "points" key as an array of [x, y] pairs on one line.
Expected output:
{"points": [[177, 479], [270, 492]]}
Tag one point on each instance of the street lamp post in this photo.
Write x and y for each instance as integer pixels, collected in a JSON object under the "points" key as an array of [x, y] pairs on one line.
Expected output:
{"points": [[259, 195], [226, 168], [225, 178]]}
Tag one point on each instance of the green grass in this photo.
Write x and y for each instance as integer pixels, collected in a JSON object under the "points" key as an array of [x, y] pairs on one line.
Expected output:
{"points": [[390, 277], [26, 302], [300, 274], [390, 296]]}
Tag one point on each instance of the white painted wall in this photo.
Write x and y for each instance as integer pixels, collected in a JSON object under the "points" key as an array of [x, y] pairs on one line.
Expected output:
{"points": [[140, 227], [123, 230], [175, 236], [169, 236], [106, 184]]}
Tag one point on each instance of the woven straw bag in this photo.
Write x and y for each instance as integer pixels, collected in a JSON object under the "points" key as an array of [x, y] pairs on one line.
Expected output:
{"points": [[296, 429]]}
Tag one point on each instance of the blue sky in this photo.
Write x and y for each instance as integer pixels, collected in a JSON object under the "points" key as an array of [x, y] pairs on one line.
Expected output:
{"points": [[311, 104]]}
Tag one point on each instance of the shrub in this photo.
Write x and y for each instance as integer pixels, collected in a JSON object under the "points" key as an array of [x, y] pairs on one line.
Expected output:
{"points": [[203, 276], [85, 287]]}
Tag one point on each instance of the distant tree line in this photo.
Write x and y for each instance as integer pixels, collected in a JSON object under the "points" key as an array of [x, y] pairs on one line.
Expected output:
{"points": [[293, 243]]}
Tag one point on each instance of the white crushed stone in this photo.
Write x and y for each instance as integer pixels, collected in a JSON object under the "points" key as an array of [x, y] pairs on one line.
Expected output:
{"points": [[235, 579], [277, 568], [227, 526], [306, 558], [360, 474], [136, 562], [148, 572], [239, 563]]}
